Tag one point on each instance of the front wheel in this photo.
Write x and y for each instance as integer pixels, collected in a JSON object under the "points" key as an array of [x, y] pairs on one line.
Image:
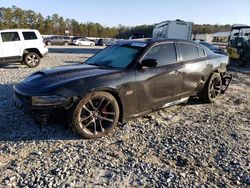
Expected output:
{"points": [[95, 115], [32, 59], [212, 89]]}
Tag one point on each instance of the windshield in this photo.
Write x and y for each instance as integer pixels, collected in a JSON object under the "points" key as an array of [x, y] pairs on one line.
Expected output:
{"points": [[234, 33], [117, 56], [245, 33]]}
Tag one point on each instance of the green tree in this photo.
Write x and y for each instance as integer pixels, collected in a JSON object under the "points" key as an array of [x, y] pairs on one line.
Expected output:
{"points": [[15, 17]]}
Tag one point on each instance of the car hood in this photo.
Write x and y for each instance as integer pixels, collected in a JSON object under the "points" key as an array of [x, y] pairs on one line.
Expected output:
{"points": [[49, 80]]}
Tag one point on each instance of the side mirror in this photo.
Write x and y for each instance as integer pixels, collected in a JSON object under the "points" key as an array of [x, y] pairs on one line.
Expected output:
{"points": [[149, 63]]}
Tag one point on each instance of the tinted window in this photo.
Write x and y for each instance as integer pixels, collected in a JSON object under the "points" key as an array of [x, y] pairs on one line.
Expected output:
{"points": [[29, 36], [201, 52], [188, 51], [10, 36], [164, 53]]}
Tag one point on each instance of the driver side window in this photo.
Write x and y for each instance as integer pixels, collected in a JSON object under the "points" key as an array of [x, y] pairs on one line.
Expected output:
{"points": [[163, 53]]}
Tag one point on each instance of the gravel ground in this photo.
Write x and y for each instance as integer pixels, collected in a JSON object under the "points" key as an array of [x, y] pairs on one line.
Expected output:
{"points": [[192, 145]]}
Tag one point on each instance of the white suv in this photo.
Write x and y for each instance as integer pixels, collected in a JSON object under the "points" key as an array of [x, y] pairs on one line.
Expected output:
{"points": [[22, 45]]}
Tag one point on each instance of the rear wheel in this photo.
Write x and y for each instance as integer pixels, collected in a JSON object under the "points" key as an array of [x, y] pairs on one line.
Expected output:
{"points": [[95, 115], [32, 59], [212, 89], [66, 43]]}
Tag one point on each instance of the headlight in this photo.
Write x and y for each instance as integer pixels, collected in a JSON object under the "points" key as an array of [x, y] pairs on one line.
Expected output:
{"points": [[49, 100]]}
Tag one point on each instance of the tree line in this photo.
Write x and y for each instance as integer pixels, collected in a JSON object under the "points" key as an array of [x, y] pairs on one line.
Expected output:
{"points": [[15, 17]]}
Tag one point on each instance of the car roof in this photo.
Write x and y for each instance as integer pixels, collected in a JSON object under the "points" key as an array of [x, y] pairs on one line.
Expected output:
{"points": [[150, 41], [9, 30], [240, 26]]}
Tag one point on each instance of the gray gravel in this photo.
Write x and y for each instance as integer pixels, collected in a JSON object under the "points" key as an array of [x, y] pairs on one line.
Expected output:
{"points": [[192, 145]]}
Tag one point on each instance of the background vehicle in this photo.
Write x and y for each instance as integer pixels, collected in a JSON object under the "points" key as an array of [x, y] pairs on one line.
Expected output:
{"points": [[22, 45], [215, 49], [177, 29], [83, 42], [75, 38], [58, 40], [124, 81], [106, 42], [239, 43]]}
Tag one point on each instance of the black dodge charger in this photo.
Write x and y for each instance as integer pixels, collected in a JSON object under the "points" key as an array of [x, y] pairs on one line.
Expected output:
{"points": [[123, 81]]}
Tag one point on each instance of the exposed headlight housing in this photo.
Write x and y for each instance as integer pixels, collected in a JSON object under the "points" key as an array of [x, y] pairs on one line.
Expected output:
{"points": [[52, 100]]}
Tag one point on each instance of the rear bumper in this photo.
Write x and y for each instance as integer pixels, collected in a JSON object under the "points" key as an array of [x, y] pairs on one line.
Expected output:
{"points": [[226, 80], [45, 52]]}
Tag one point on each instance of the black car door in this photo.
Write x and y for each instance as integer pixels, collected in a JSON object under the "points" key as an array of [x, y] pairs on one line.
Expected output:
{"points": [[195, 68], [159, 85]]}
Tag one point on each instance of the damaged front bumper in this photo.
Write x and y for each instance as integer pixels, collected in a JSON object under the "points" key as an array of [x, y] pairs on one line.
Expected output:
{"points": [[42, 115]]}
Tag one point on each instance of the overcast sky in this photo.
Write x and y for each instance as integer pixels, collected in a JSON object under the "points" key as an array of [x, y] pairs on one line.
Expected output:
{"points": [[138, 12]]}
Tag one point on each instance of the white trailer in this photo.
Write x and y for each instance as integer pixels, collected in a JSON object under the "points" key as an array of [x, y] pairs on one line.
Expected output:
{"points": [[176, 29]]}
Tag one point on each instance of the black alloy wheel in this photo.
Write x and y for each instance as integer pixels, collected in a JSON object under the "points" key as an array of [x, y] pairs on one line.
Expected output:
{"points": [[95, 115], [212, 89], [215, 87]]}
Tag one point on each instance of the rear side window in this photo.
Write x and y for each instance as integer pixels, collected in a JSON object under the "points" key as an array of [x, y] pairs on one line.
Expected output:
{"points": [[188, 51], [201, 52], [164, 53], [10, 36], [29, 35]]}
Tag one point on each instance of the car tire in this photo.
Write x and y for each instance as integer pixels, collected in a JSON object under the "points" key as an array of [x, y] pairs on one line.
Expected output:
{"points": [[48, 43], [95, 115], [32, 59], [92, 44], [66, 43], [212, 89], [79, 44]]}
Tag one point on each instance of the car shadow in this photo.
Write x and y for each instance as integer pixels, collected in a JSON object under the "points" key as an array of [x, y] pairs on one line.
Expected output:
{"points": [[12, 65], [235, 68], [74, 50], [194, 101], [17, 126]]}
